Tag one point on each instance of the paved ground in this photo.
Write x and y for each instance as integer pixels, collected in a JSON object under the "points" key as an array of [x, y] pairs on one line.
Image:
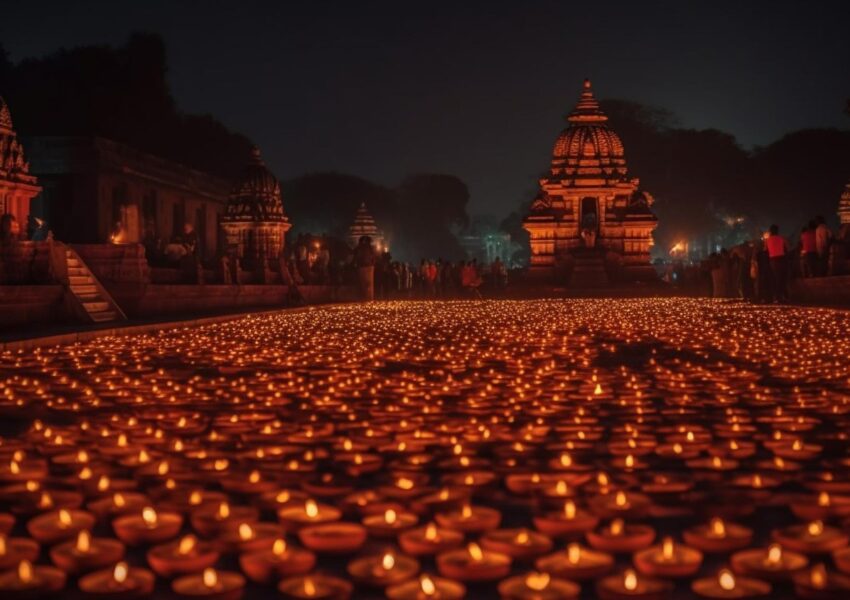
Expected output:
{"points": [[693, 409]]}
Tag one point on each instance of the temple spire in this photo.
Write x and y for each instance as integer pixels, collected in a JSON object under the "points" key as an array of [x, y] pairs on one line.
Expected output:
{"points": [[587, 109]]}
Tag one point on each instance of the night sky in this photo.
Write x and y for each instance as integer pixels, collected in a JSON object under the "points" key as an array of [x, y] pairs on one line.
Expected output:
{"points": [[476, 89]]}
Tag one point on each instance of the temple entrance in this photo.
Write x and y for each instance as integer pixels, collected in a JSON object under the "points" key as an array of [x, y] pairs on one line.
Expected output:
{"points": [[589, 222]]}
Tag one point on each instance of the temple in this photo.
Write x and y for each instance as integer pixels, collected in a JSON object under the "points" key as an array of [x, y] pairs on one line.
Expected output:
{"points": [[17, 186], [253, 223], [364, 224], [590, 224]]}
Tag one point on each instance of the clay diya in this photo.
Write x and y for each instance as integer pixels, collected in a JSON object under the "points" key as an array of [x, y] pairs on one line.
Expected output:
{"points": [[618, 537], [248, 537], [538, 586], [427, 587], [333, 538], [630, 586], [576, 563], [569, 521], [86, 553], [186, 555], [519, 544], [819, 584], [473, 564], [668, 560], [821, 507], [726, 585], [429, 540], [213, 519], [390, 523], [718, 536], [149, 527], [315, 587], [772, 563], [295, 516], [59, 525], [29, 581], [210, 585], [121, 581], [811, 538], [383, 570], [281, 560], [620, 504], [470, 519]]}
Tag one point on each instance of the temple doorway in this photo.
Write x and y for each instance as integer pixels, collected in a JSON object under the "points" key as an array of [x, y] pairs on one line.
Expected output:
{"points": [[589, 215]]}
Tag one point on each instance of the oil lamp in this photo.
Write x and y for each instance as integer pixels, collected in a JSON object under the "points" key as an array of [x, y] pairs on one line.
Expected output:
{"points": [[538, 586], [668, 560], [210, 585], [121, 581], [86, 553], [183, 556], [29, 581], [280, 560], [427, 587], [149, 527], [726, 585], [631, 586], [60, 525], [16, 549], [619, 537], [429, 540], [315, 587], [718, 536], [383, 569], [473, 564], [773, 563]]}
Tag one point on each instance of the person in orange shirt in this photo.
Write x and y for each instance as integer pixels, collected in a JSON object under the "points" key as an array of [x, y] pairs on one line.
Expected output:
{"points": [[777, 251]]}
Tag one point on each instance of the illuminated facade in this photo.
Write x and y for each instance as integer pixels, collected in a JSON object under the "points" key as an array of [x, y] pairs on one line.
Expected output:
{"points": [[844, 206], [588, 212], [364, 224], [253, 223], [17, 186]]}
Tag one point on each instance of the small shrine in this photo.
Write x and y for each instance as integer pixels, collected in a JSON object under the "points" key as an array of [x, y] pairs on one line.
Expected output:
{"points": [[17, 186], [364, 224], [253, 223], [590, 223]]}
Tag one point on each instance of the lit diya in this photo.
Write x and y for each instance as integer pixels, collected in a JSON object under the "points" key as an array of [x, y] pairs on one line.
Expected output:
{"points": [[820, 507], [212, 519], [390, 523], [383, 569], [429, 540], [772, 563], [726, 585], [120, 581], [619, 537], [630, 586], [186, 555], [538, 586], [281, 560], [86, 553], [576, 563], [470, 519], [811, 538], [248, 537], [149, 527], [295, 516], [473, 564], [519, 544], [819, 584], [16, 549], [60, 525], [569, 521], [668, 560], [315, 587], [29, 581], [210, 585], [620, 504], [119, 503], [427, 587], [334, 537], [718, 536]]}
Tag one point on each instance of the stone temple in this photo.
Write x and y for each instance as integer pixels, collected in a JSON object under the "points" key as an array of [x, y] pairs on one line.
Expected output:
{"points": [[590, 224]]}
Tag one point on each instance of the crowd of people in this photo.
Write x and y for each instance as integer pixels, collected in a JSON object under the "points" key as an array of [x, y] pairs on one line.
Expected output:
{"points": [[760, 270]]}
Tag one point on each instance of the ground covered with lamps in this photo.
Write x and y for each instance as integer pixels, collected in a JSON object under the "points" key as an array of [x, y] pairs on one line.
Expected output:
{"points": [[544, 449]]}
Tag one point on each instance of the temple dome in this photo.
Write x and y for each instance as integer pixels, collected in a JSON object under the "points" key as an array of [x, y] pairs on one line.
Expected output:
{"points": [[5, 116], [256, 196], [588, 148]]}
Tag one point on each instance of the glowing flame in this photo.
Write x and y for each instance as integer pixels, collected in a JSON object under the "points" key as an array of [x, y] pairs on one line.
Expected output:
{"points": [[404, 483], [149, 516], [388, 561], [718, 528], [246, 532], [195, 498], [118, 501], [311, 509], [815, 528], [427, 586], [621, 500], [83, 541], [573, 554], [617, 526], [64, 518], [2, 545], [431, 532], [309, 587], [817, 576], [223, 510], [25, 571], [210, 578], [537, 581], [726, 580], [630, 580], [390, 516], [522, 538], [667, 548], [119, 573], [279, 547], [475, 552], [774, 555], [186, 545], [466, 511], [569, 510], [823, 499]]}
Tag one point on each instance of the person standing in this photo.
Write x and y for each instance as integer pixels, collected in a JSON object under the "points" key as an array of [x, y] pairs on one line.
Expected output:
{"points": [[777, 250], [809, 251], [823, 240], [364, 260]]}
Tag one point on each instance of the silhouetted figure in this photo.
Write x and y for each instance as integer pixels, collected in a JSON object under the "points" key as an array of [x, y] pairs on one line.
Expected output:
{"points": [[777, 250], [364, 261]]}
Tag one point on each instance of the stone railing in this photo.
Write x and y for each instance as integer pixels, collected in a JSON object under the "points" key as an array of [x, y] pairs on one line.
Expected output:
{"points": [[25, 263]]}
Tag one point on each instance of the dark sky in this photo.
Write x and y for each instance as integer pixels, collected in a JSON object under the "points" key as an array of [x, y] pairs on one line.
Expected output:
{"points": [[477, 89]]}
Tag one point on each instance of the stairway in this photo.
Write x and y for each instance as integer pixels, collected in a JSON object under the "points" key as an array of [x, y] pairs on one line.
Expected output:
{"points": [[588, 271], [90, 295]]}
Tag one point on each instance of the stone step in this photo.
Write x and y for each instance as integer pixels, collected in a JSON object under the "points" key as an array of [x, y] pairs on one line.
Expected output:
{"points": [[76, 271], [73, 262], [103, 316], [80, 280], [96, 306], [86, 289]]}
